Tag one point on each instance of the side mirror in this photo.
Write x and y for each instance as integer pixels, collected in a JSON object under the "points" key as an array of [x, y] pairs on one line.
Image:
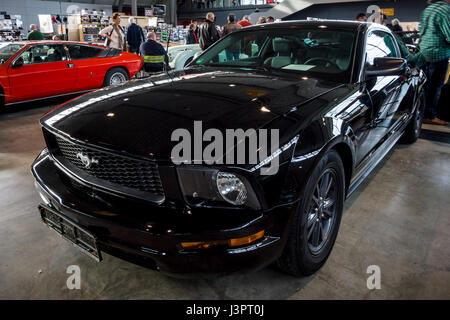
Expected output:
{"points": [[387, 66], [18, 63]]}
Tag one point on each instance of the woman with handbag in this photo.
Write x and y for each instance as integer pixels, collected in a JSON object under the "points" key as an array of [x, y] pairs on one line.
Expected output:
{"points": [[114, 34]]}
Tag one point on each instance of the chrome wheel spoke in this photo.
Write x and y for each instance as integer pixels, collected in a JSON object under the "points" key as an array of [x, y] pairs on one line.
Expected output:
{"points": [[322, 231], [315, 200], [317, 191], [329, 202], [324, 185], [311, 219], [327, 190], [310, 231], [328, 213], [315, 241]]}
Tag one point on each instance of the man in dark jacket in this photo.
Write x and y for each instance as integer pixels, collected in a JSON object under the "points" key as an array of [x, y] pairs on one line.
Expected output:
{"points": [[192, 37], [154, 54], [208, 32], [135, 36]]}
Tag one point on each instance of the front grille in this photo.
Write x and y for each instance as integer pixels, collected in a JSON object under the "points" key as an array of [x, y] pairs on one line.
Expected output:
{"points": [[124, 174]]}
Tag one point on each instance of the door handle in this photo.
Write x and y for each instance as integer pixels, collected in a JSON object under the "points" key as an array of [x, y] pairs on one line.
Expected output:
{"points": [[70, 65]]}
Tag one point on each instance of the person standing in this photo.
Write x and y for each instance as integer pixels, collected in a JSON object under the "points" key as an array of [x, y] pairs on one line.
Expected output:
{"points": [[231, 26], [135, 36], [435, 48], [208, 32], [192, 34], [114, 34], [34, 34], [395, 26], [361, 17], [261, 20], [233, 52], [245, 22], [155, 56]]}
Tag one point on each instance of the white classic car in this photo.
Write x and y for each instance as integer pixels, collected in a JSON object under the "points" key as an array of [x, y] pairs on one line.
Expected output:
{"points": [[180, 56]]}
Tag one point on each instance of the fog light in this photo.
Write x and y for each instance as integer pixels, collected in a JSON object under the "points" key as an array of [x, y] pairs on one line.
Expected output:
{"points": [[236, 242]]}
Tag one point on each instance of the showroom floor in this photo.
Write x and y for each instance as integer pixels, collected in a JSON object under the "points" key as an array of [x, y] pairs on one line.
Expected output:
{"points": [[398, 220]]}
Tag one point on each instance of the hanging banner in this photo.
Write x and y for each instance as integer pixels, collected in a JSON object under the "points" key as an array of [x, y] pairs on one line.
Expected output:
{"points": [[45, 23]]}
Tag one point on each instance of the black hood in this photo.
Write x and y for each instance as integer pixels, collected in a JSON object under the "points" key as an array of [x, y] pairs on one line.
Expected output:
{"points": [[139, 117]]}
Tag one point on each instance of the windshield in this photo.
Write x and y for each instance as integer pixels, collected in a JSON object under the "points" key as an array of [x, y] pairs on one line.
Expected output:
{"points": [[317, 52], [7, 50]]}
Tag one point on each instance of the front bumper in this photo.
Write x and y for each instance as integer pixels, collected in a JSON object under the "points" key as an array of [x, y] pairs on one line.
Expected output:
{"points": [[150, 235]]}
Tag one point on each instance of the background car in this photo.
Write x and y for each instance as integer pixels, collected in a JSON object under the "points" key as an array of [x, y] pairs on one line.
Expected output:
{"points": [[181, 56], [34, 70]]}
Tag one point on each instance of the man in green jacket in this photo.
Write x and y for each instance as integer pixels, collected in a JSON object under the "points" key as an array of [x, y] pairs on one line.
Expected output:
{"points": [[35, 34], [435, 48]]}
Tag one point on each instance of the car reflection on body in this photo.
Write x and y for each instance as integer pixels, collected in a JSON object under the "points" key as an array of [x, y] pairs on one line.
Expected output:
{"points": [[339, 106]]}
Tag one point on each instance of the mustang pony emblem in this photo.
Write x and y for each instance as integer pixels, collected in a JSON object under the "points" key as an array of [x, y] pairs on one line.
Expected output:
{"points": [[87, 162]]}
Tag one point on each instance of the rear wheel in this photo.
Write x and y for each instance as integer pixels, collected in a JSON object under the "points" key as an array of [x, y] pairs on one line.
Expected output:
{"points": [[412, 131], [316, 222], [115, 76]]}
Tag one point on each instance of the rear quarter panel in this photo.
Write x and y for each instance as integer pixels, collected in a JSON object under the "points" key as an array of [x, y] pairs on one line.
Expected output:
{"points": [[91, 72]]}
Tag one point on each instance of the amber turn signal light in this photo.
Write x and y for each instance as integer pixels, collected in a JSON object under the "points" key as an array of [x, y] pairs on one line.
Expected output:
{"points": [[237, 242]]}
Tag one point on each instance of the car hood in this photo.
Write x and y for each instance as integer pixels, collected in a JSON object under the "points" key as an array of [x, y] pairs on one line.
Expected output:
{"points": [[140, 116]]}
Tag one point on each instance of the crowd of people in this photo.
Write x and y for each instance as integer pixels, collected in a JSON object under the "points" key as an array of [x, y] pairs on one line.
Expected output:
{"points": [[208, 32], [381, 19]]}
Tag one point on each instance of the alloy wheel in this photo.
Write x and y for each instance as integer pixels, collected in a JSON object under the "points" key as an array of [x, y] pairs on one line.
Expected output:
{"points": [[322, 211], [117, 78]]}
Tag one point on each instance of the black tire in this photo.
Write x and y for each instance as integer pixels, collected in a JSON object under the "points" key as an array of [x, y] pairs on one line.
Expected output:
{"points": [[300, 256], [412, 131], [115, 76]]}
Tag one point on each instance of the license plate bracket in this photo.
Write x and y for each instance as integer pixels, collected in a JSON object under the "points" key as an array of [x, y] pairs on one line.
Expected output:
{"points": [[70, 231]]}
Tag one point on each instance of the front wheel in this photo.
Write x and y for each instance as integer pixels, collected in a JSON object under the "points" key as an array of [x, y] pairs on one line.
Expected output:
{"points": [[316, 222], [115, 76]]}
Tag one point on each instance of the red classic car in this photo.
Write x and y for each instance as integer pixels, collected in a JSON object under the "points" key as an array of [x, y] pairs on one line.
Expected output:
{"points": [[37, 69]]}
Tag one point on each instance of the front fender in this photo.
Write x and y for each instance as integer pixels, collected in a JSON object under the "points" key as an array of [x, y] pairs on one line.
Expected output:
{"points": [[331, 133]]}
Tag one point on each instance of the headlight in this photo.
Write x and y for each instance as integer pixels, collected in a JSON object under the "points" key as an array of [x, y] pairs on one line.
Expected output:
{"points": [[231, 188], [211, 187]]}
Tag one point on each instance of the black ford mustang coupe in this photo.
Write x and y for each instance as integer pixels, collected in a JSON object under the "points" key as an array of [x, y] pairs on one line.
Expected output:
{"points": [[338, 95]]}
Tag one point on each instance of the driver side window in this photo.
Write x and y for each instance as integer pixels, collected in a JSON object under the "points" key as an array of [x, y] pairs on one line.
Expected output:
{"points": [[44, 53], [379, 44]]}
